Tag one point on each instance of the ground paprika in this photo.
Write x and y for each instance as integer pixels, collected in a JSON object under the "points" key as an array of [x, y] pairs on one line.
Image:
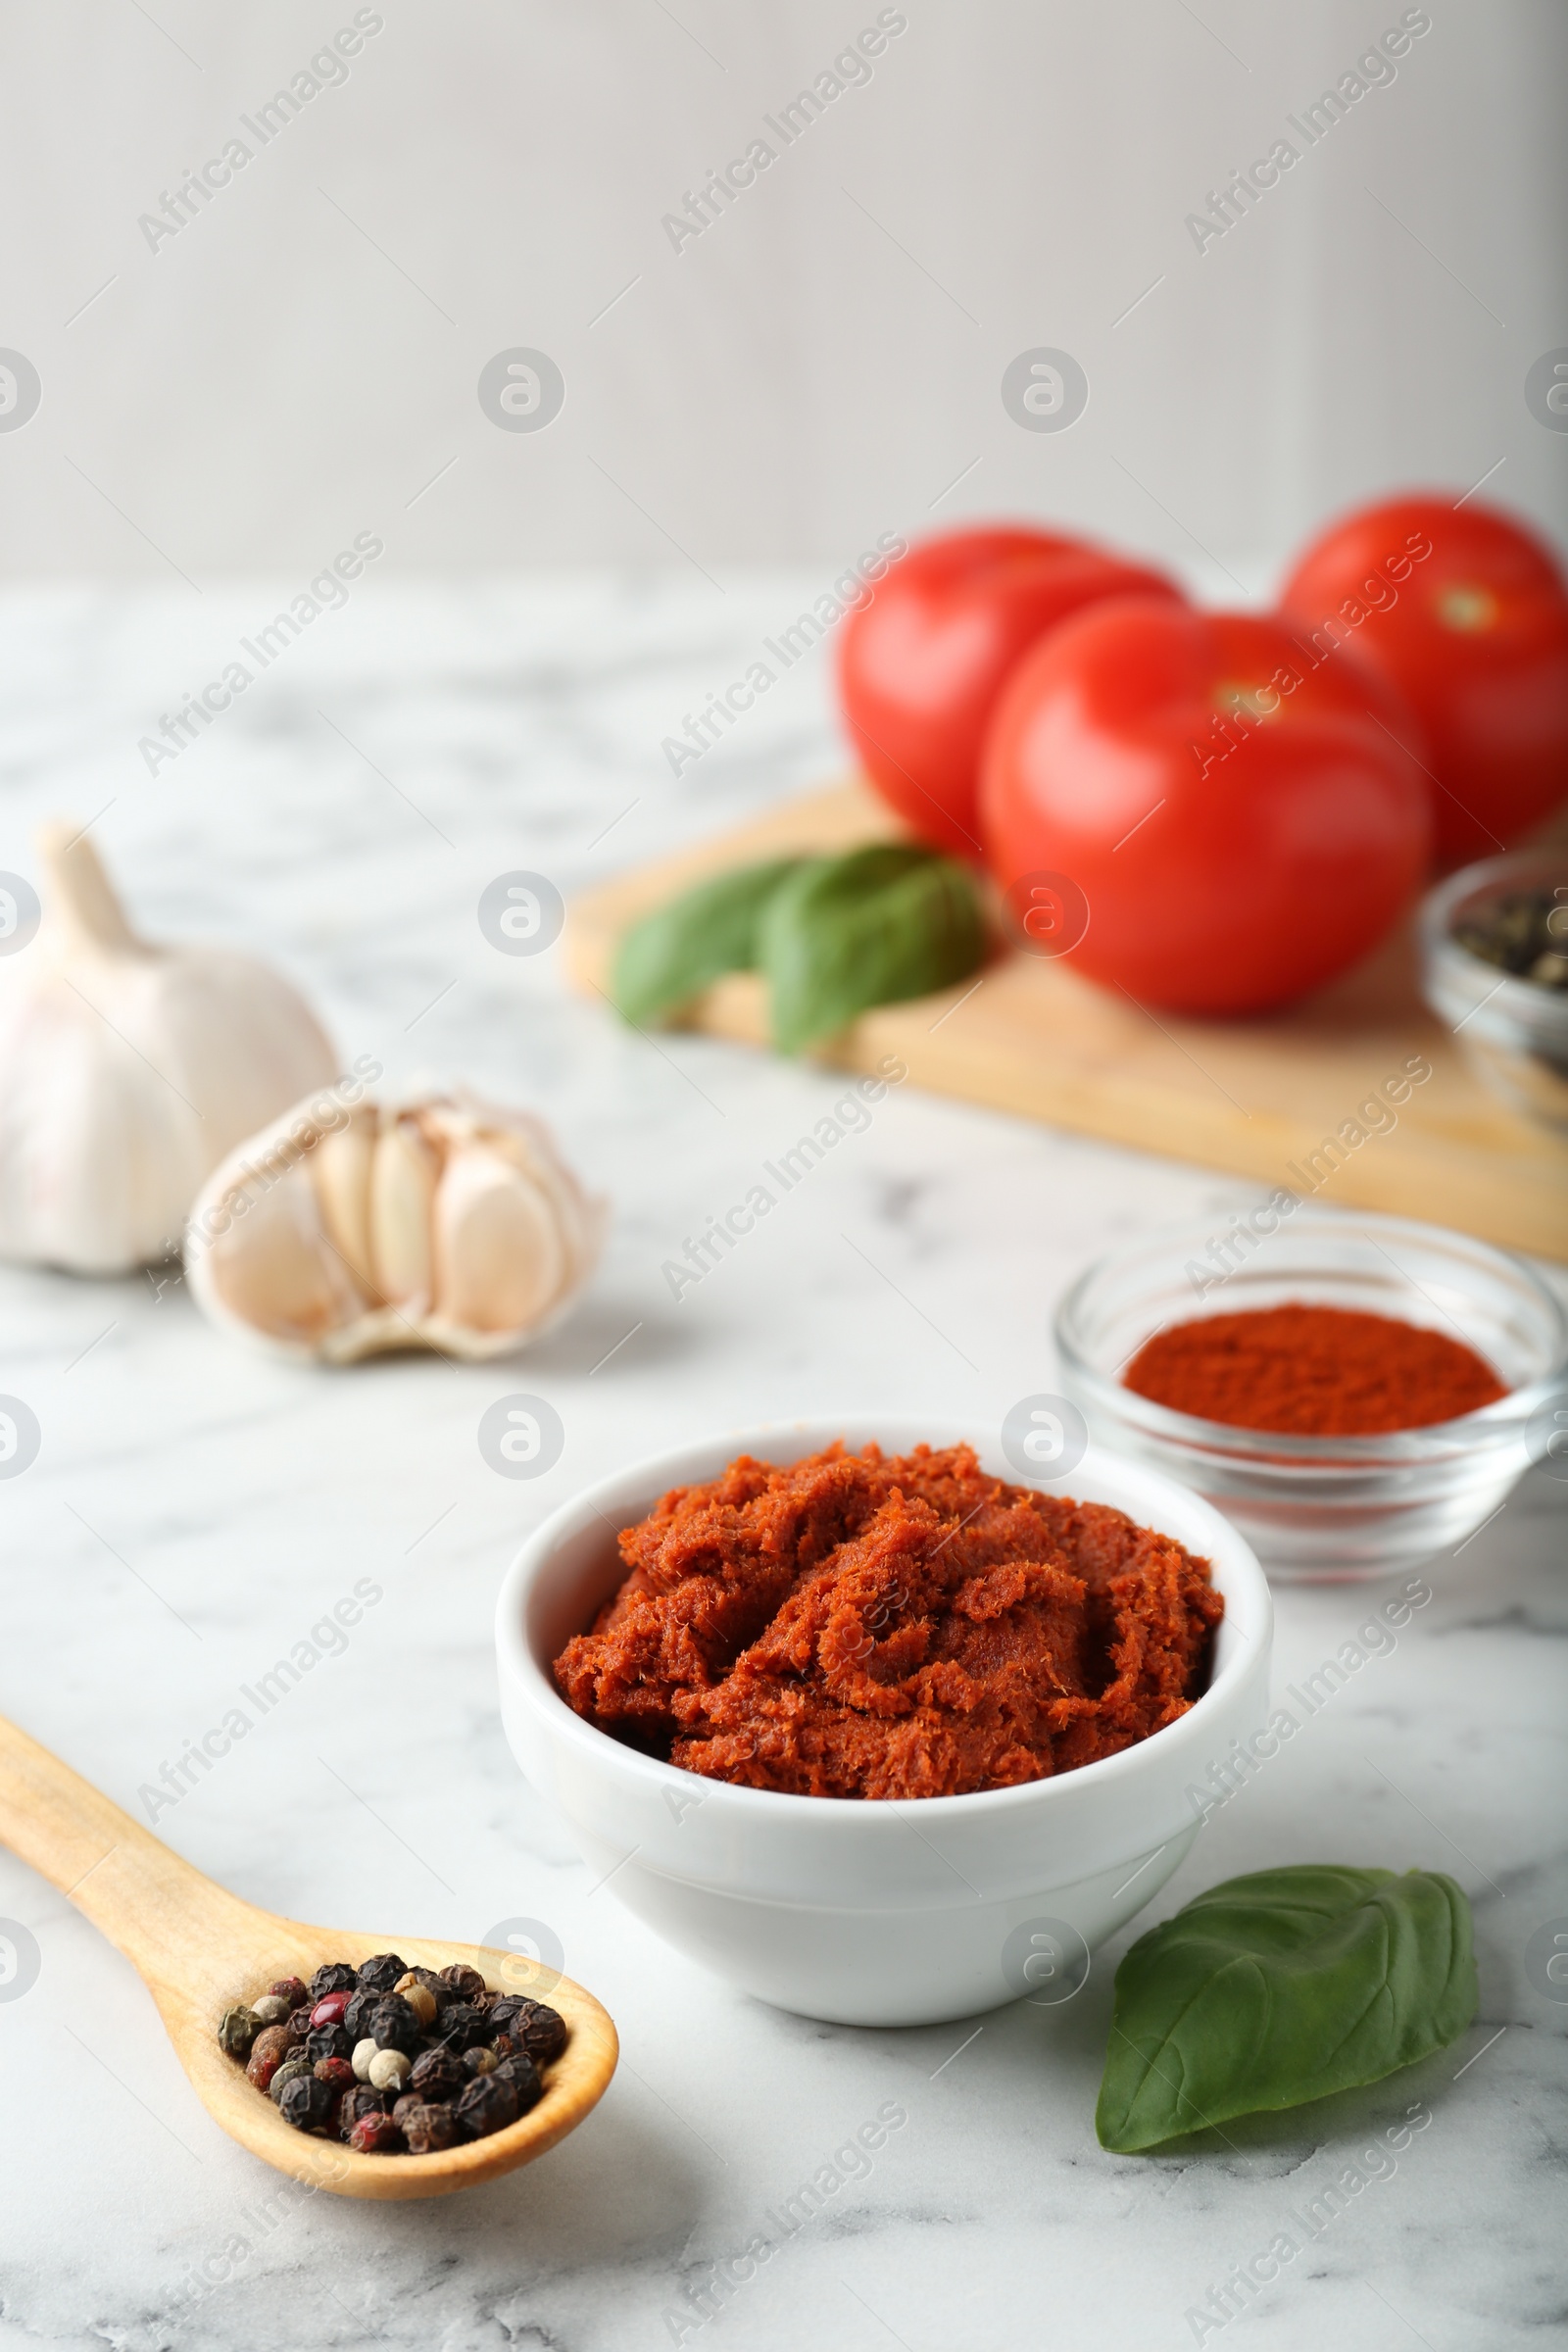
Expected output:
{"points": [[1312, 1371]]}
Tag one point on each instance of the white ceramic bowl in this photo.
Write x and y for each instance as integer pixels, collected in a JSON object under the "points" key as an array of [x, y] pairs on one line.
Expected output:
{"points": [[872, 1914]]}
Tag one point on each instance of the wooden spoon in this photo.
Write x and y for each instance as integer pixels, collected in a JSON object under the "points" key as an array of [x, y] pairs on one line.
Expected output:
{"points": [[200, 1950]]}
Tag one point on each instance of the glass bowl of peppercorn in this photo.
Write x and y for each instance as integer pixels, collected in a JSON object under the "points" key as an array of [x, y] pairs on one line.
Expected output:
{"points": [[1357, 1393], [1495, 966]]}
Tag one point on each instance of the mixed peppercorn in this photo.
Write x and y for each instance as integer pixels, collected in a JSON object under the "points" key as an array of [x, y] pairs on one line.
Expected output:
{"points": [[1523, 932], [394, 2060]]}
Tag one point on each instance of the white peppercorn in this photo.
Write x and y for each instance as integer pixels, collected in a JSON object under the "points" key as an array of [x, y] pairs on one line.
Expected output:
{"points": [[364, 2052], [272, 2009], [388, 2069]]}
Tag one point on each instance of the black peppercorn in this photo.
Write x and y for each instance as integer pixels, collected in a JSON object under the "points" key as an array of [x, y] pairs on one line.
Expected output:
{"points": [[434, 1984], [394, 2025], [465, 1981], [334, 1976], [357, 2015], [381, 1972], [543, 2037], [430, 2127], [329, 2041], [523, 2076], [534, 2028], [437, 2075], [298, 2023], [460, 2025], [307, 2103], [487, 2106]]}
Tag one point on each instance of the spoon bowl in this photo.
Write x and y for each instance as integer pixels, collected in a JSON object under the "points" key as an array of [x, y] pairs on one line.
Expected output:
{"points": [[201, 1950]]}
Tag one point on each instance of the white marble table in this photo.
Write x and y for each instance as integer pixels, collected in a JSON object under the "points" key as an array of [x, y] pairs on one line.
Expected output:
{"points": [[196, 1508]]}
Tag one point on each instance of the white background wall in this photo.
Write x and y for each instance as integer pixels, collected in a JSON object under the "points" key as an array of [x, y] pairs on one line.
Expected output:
{"points": [[820, 364]]}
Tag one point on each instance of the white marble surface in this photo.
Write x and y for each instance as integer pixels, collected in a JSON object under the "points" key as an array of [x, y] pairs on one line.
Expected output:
{"points": [[195, 1508]]}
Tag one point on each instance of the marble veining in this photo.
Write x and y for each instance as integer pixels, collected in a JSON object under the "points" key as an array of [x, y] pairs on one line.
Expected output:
{"points": [[197, 1508]]}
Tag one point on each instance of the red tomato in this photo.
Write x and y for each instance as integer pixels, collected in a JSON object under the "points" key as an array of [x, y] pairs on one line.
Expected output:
{"points": [[1241, 827], [921, 664], [1467, 613]]}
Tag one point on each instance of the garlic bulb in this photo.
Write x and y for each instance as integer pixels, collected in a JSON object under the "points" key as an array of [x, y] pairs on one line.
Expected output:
{"points": [[345, 1229], [127, 1071]]}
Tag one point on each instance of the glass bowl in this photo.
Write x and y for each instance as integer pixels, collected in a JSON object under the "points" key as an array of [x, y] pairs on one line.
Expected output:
{"points": [[1514, 1032], [1326, 1508]]}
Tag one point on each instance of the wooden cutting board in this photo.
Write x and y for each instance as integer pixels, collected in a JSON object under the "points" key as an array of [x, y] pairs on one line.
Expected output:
{"points": [[1259, 1097]]}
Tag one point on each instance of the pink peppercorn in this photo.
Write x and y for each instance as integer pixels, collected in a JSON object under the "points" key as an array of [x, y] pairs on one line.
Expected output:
{"points": [[268, 2052], [328, 2011], [376, 2136]]}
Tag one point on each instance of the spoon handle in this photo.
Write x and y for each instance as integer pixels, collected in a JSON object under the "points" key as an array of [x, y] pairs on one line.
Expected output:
{"points": [[172, 1924]]}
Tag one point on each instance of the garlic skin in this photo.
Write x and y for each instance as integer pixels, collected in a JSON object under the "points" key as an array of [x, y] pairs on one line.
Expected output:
{"points": [[127, 1071], [346, 1230]]}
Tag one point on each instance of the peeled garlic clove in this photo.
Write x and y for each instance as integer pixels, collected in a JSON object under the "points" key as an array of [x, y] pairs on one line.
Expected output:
{"points": [[501, 1258], [403, 1182], [340, 1169], [341, 1232], [127, 1071]]}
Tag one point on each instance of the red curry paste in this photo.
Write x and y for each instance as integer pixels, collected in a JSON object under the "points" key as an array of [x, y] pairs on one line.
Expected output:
{"points": [[1318, 1371], [859, 1626]]}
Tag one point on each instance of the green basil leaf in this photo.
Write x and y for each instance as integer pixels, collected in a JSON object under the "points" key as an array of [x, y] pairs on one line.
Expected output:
{"points": [[681, 948], [1280, 1987], [872, 927]]}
